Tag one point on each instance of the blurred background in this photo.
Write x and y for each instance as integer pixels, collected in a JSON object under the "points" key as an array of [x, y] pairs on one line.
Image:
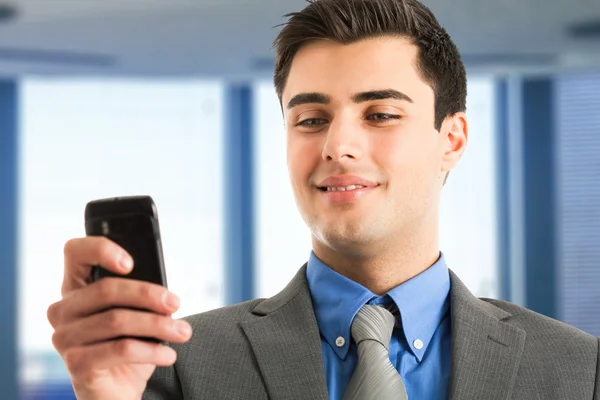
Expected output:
{"points": [[174, 98]]}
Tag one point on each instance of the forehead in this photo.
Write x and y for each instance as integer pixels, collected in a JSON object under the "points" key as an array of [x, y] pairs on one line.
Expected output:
{"points": [[341, 70]]}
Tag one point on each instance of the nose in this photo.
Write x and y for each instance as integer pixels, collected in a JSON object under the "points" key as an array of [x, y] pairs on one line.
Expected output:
{"points": [[344, 141]]}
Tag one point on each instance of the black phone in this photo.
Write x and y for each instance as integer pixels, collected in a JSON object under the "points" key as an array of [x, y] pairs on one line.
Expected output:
{"points": [[132, 223]]}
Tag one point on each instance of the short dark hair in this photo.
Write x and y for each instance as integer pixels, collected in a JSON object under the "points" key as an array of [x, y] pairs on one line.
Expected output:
{"points": [[349, 21]]}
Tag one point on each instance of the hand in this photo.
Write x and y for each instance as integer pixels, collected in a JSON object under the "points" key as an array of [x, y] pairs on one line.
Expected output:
{"points": [[88, 328]]}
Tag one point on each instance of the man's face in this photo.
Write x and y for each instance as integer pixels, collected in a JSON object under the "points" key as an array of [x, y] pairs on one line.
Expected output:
{"points": [[364, 158]]}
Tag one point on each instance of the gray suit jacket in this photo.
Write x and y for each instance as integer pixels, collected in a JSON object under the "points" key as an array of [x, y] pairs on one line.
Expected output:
{"points": [[271, 349]]}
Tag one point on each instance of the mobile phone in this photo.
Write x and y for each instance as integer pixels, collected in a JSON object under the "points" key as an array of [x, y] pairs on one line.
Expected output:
{"points": [[132, 223]]}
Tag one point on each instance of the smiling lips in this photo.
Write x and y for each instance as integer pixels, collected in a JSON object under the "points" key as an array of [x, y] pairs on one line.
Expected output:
{"points": [[345, 188]]}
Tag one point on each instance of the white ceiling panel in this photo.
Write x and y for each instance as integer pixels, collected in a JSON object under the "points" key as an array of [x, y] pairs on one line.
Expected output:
{"points": [[232, 38]]}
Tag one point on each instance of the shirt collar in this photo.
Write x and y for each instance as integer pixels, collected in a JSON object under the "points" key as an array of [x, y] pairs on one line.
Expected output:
{"points": [[422, 302]]}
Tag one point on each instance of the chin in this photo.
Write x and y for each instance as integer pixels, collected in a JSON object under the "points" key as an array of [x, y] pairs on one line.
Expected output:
{"points": [[343, 235]]}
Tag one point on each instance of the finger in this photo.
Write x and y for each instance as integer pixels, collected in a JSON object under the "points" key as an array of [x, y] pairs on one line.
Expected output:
{"points": [[83, 253], [115, 353], [113, 292], [117, 323]]}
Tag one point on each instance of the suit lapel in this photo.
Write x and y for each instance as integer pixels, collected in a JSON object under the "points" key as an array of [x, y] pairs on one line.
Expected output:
{"points": [[287, 344], [486, 350]]}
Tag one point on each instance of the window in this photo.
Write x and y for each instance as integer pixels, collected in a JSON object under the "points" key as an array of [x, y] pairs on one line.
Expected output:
{"points": [[282, 239], [578, 200], [468, 228], [83, 139]]}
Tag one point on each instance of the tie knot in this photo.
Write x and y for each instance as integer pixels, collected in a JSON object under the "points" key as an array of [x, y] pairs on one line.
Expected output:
{"points": [[373, 323]]}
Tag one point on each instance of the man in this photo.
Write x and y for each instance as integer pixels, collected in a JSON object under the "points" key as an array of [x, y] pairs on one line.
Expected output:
{"points": [[373, 97]]}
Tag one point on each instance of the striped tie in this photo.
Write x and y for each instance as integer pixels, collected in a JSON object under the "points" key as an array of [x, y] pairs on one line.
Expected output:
{"points": [[375, 378]]}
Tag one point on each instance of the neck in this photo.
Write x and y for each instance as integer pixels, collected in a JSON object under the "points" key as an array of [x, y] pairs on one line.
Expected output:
{"points": [[385, 266]]}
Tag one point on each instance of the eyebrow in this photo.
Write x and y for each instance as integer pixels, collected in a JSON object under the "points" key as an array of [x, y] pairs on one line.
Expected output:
{"points": [[381, 95], [308, 98], [322, 98]]}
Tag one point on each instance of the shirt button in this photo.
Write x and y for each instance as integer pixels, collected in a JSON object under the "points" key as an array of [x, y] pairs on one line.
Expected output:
{"points": [[418, 344], [340, 341]]}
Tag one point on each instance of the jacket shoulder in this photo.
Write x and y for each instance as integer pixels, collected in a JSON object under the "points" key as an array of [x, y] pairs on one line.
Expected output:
{"points": [[218, 325], [532, 322], [233, 314], [550, 337], [217, 350]]}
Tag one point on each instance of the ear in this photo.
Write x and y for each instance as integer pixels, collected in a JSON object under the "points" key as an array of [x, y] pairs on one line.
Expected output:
{"points": [[454, 135]]}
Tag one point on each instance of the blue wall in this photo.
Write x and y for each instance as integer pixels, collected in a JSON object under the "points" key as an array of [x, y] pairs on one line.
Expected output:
{"points": [[8, 238], [539, 189], [239, 195]]}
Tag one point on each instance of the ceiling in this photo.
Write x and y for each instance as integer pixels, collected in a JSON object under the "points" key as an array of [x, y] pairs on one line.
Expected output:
{"points": [[232, 38]]}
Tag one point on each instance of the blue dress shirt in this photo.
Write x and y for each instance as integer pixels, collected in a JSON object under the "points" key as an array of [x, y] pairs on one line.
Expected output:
{"points": [[420, 348]]}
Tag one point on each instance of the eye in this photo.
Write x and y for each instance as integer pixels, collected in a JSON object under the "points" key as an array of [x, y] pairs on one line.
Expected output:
{"points": [[310, 122], [382, 117]]}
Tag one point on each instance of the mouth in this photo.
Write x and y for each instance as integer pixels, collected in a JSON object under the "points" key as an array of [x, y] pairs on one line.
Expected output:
{"points": [[345, 182], [348, 188], [345, 189]]}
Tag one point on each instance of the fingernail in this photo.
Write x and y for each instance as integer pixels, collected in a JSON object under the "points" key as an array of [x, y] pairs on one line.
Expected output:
{"points": [[171, 300], [125, 262], [183, 328]]}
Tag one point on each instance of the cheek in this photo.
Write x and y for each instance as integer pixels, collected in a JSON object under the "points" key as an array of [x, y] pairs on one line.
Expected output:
{"points": [[407, 157], [303, 155], [394, 152]]}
